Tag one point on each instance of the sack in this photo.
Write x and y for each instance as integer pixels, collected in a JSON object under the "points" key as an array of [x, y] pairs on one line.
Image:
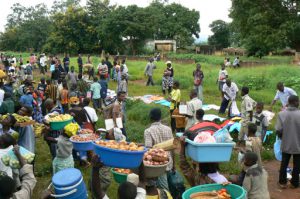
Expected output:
{"points": [[176, 184], [277, 149], [223, 136], [234, 109]]}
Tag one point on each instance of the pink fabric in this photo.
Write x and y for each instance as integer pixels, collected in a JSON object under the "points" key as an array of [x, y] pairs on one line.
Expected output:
{"points": [[204, 137]]}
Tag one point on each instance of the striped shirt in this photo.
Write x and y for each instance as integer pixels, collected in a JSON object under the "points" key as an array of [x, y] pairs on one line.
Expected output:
{"points": [[158, 133]]}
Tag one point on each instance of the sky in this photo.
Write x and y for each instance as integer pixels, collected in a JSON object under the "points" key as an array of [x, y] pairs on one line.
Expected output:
{"points": [[210, 10]]}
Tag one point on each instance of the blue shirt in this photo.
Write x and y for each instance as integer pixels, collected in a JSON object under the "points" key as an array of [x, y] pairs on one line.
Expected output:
{"points": [[104, 86], [95, 88], [27, 100]]}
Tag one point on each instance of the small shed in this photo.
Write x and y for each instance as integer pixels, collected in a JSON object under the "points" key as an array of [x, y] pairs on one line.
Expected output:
{"points": [[161, 45]]}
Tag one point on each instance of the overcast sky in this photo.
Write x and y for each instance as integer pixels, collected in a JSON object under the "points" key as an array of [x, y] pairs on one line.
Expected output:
{"points": [[210, 10]]}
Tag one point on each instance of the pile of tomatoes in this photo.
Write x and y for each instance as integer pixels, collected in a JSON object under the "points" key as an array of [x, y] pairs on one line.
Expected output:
{"points": [[223, 194]]}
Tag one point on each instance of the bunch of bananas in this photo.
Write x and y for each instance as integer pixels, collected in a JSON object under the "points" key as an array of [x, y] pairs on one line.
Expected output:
{"points": [[59, 118], [38, 129], [21, 119], [2, 117], [71, 129]]}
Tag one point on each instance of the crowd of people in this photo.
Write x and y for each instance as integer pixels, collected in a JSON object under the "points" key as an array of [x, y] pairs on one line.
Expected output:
{"points": [[67, 91]]}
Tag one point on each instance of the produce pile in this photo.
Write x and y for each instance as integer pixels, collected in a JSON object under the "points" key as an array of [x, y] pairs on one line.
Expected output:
{"points": [[59, 118], [221, 194], [122, 145], [156, 157], [20, 118], [12, 161], [123, 171], [71, 129], [85, 131], [38, 129], [84, 137]]}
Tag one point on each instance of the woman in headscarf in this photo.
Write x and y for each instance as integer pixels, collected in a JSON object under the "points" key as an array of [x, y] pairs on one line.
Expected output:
{"points": [[167, 80]]}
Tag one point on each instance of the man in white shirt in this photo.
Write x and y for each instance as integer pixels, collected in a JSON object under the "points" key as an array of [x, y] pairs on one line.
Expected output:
{"points": [[93, 118], [283, 94], [230, 91], [192, 106], [43, 60]]}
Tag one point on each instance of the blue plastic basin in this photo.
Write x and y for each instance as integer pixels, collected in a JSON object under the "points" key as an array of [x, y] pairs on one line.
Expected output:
{"points": [[82, 146], [213, 152], [119, 159]]}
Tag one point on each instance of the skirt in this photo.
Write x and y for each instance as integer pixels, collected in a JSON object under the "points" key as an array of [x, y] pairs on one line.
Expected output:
{"points": [[62, 163], [167, 82]]}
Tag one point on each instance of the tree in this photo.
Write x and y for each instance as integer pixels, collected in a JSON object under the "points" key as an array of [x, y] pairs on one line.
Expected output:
{"points": [[221, 35], [71, 32], [265, 26], [26, 28]]}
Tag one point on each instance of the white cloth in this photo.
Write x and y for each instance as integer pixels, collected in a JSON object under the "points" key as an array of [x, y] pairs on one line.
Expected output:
{"points": [[92, 113], [284, 96], [231, 91], [141, 194], [217, 178], [1, 96], [4, 168]]}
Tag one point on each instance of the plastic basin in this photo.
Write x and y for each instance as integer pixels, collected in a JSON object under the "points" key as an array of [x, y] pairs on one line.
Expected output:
{"points": [[235, 191], [213, 152], [82, 146], [60, 125], [119, 177], [154, 171], [119, 159]]}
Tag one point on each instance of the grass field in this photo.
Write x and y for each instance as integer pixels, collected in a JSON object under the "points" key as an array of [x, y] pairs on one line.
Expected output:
{"points": [[262, 81]]}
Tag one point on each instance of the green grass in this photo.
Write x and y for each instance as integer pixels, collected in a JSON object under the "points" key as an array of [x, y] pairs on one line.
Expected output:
{"points": [[262, 81]]}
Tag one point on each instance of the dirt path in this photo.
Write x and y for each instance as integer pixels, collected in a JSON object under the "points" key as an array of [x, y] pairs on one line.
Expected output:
{"points": [[272, 168]]}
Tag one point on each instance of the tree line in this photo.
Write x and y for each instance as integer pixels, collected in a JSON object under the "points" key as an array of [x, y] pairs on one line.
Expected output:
{"points": [[260, 26], [71, 28]]}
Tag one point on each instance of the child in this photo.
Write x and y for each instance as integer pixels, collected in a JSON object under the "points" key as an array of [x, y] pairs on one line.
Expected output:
{"points": [[175, 100], [253, 143], [64, 158], [261, 121], [122, 86], [64, 98], [104, 86], [256, 178], [223, 75]]}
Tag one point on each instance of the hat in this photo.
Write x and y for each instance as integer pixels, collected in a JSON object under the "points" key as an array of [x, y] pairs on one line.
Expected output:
{"points": [[74, 100], [133, 178], [168, 62]]}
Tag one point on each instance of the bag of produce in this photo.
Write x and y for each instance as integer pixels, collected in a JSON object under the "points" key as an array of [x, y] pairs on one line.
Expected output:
{"points": [[223, 136], [11, 160]]}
